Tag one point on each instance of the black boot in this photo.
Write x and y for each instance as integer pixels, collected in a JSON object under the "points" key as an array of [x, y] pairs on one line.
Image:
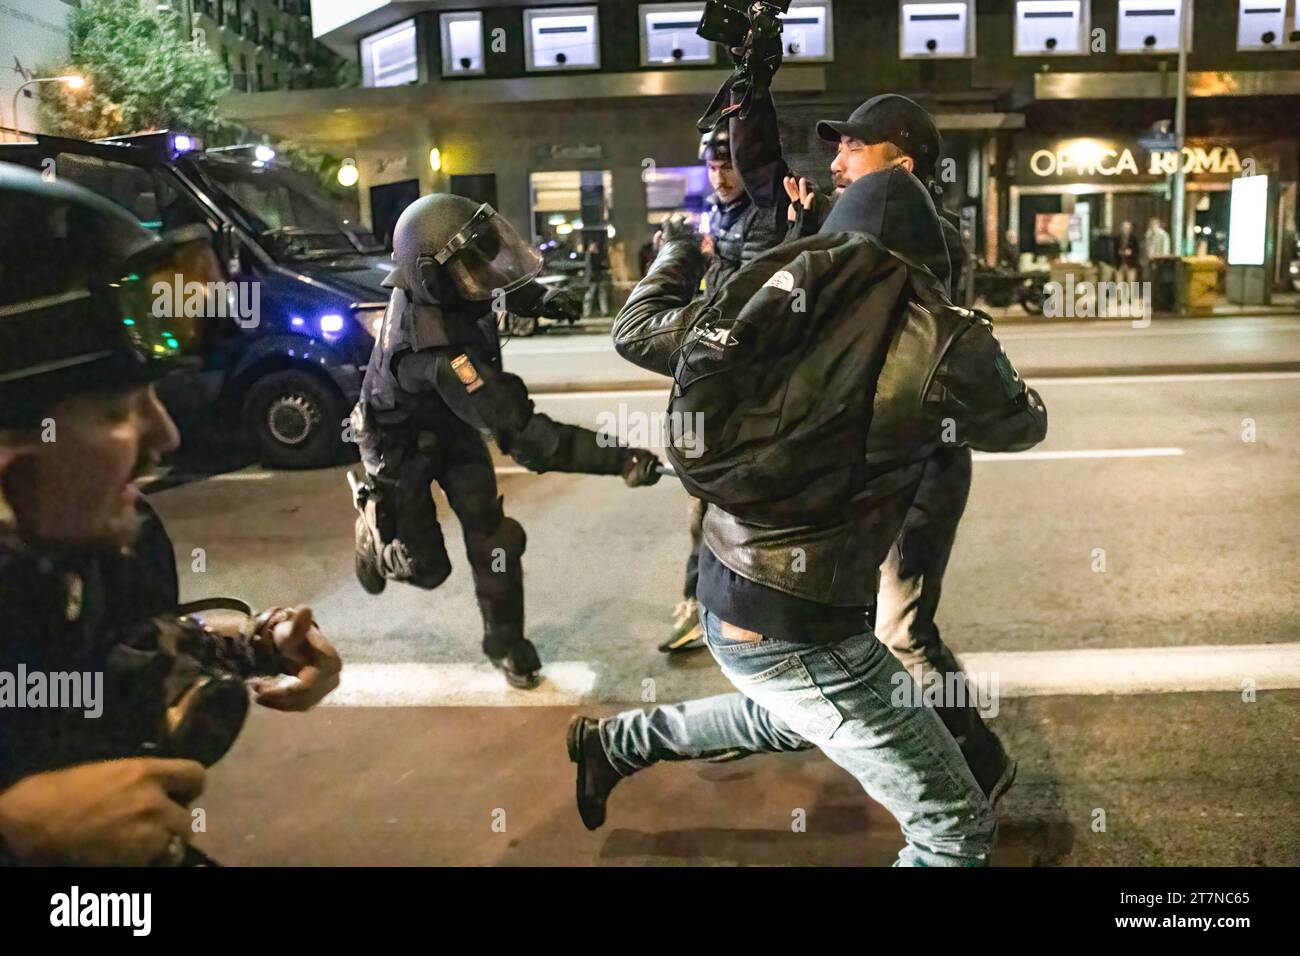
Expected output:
{"points": [[596, 775], [520, 665], [995, 769]]}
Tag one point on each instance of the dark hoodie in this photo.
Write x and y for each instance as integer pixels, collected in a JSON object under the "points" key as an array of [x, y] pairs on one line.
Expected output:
{"points": [[896, 208]]}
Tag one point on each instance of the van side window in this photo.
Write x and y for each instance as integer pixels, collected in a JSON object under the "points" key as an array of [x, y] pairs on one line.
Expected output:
{"points": [[176, 205], [130, 187]]}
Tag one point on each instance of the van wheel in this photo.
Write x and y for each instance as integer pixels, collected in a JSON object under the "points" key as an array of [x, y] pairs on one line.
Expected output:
{"points": [[296, 419]]}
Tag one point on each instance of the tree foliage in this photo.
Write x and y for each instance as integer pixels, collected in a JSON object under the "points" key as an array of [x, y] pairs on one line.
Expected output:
{"points": [[143, 74], [140, 72]]}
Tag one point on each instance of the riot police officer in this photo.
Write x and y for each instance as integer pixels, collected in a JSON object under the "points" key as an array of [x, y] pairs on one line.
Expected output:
{"points": [[433, 385], [88, 583]]}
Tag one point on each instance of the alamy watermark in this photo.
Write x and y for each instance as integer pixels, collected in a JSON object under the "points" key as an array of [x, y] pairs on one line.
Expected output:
{"points": [[929, 688], [64, 690], [1098, 300], [683, 431], [241, 301]]}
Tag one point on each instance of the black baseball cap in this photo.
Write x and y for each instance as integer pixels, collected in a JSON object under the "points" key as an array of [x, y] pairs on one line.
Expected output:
{"points": [[891, 118]]}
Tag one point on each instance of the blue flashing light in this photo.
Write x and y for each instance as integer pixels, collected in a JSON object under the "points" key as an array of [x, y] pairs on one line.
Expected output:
{"points": [[296, 320], [331, 324]]}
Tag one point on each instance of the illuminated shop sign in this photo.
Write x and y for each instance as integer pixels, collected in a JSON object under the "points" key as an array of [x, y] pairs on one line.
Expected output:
{"points": [[1090, 157]]}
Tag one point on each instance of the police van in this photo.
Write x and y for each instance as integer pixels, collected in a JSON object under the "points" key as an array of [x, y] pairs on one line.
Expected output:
{"points": [[305, 299]]}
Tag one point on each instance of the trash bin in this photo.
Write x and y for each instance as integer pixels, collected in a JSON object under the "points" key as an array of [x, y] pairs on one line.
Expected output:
{"points": [[1199, 282], [1164, 283]]}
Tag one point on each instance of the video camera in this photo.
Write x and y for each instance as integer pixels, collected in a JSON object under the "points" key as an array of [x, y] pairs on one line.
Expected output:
{"points": [[753, 34], [738, 26]]}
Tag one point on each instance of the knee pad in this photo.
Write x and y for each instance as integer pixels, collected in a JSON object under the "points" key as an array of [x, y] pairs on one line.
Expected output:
{"points": [[509, 537]]}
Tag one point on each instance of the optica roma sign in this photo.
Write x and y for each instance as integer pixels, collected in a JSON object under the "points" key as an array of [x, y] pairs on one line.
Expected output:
{"points": [[1090, 157]]}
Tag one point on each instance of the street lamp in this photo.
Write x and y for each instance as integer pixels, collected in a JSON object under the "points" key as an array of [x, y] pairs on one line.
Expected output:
{"points": [[72, 81]]}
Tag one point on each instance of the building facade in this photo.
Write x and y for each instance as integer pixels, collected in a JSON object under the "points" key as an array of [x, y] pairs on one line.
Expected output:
{"points": [[264, 44], [575, 117], [33, 34]]}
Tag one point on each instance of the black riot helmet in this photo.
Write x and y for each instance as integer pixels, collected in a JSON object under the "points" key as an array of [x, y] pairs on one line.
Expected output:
{"points": [[82, 300], [448, 246], [716, 144]]}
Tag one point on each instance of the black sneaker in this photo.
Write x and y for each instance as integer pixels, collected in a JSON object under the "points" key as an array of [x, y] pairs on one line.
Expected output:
{"points": [[367, 560], [596, 775]]}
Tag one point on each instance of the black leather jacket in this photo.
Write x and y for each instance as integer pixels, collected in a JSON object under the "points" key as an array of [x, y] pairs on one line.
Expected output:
{"points": [[839, 559]]}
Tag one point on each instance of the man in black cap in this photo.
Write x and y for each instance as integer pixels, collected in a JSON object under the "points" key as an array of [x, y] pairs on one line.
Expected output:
{"points": [[890, 130], [433, 385], [88, 583]]}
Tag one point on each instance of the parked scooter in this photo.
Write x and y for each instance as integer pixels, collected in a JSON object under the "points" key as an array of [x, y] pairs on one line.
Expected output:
{"points": [[1001, 287]]}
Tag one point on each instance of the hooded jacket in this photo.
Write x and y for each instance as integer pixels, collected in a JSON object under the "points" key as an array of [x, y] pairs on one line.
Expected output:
{"points": [[896, 208]]}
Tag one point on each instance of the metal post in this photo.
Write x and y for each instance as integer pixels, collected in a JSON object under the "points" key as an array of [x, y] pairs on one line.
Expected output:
{"points": [[1178, 224]]}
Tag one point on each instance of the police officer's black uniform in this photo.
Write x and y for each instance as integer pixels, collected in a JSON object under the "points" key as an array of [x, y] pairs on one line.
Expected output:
{"points": [[433, 386]]}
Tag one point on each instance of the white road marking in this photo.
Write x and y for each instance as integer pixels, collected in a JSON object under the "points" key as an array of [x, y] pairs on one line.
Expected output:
{"points": [[1009, 333], [1065, 454], [1061, 455], [246, 475], [1086, 453], [1037, 382], [1139, 670], [1026, 336], [617, 393], [457, 685], [1164, 379]]}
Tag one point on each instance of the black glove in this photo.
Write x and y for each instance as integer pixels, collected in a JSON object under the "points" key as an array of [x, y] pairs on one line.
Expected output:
{"points": [[641, 467], [678, 229], [561, 304]]}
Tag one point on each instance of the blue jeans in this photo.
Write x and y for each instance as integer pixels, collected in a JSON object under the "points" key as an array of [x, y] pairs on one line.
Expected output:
{"points": [[835, 697]]}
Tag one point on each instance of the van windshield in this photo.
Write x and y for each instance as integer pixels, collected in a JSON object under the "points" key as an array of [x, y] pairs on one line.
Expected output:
{"points": [[289, 211]]}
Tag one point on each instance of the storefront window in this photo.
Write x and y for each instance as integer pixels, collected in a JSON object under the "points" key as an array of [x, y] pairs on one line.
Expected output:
{"points": [[936, 28], [570, 210], [462, 43], [561, 38], [676, 191], [1051, 27], [388, 57]]}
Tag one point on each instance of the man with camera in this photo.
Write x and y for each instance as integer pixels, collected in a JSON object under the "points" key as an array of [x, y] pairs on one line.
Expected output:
{"points": [[88, 581], [887, 131]]}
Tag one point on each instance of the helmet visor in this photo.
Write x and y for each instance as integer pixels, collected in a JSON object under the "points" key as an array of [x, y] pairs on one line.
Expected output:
{"points": [[487, 256]]}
